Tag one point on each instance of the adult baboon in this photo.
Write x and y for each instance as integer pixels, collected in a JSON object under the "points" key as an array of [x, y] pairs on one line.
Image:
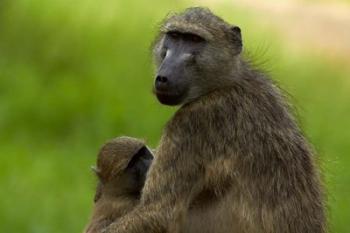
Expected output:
{"points": [[121, 169], [232, 151]]}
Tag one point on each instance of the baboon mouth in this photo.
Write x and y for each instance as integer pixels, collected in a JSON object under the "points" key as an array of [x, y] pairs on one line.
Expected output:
{"points": [[169, 98]]}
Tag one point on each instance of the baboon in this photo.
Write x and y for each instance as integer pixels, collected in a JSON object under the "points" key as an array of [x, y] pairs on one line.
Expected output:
{"points": [[122, 164], [232, 157]]}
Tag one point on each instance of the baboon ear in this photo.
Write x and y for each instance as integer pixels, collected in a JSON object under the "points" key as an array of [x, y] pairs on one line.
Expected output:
{"points": [[96, 171], [237, 38]]}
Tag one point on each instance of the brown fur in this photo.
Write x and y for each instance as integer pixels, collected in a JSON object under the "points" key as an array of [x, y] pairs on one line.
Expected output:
{"points": [[232, 158], [116, 194]]}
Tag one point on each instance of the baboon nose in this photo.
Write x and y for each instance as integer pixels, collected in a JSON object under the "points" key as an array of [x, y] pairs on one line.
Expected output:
{"points": [[161, 82], [161, 79]]}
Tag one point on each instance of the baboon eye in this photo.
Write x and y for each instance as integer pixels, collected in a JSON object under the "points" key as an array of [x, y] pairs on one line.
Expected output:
{"points": [[193, 38], [163, 52], [174, 35], [185, 36]]}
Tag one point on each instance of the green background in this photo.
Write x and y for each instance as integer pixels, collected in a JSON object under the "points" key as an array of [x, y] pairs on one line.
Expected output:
{"points": [[76, 73]]}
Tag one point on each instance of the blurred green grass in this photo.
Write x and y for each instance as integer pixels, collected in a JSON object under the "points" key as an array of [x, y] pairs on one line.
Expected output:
{"points": [[74, 74]]}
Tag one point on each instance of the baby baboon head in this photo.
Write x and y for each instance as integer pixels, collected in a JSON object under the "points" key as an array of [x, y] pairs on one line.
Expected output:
{"points": [[122, 165]]}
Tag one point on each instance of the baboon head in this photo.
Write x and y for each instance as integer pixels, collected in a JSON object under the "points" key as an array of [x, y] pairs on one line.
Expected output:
{"points": [[121, 169], [122, 165], [195, 52]]}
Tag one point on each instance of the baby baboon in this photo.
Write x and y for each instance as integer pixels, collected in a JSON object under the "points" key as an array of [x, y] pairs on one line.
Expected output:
{"points": [[232, 157], [122, 165]]}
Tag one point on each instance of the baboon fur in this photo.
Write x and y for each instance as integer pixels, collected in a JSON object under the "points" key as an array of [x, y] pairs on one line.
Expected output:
{"points": [[118, 191], [232, 157]]}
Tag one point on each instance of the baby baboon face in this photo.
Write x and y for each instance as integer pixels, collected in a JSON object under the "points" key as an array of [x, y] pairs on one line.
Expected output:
{"points": [[121, 168]]}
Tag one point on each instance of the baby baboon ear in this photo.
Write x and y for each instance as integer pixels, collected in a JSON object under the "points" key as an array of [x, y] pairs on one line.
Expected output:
{"points": [[237, 38], [96, 171]]}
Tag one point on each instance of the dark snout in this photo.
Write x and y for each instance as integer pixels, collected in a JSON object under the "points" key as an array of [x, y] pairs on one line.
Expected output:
{"points": [[168, 75], [169, 85], [162, 83]]}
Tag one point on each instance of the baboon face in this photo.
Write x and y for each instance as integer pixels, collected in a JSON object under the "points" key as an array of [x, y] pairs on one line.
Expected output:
{"points": [[127, 182], [178, 54], [138, 167], [193, 49]]}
